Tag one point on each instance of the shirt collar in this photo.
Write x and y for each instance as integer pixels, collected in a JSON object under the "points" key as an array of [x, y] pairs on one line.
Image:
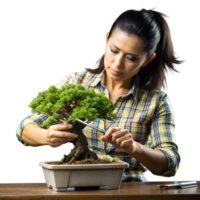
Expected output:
{"points": [[135, 90]]}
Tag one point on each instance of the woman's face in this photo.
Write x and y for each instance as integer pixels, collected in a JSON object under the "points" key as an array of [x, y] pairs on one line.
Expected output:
{"points": [[124, 54]]}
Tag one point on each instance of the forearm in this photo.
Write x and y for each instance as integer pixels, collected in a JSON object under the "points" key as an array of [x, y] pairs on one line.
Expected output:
{"points": [[154, 160], [33, 135]]}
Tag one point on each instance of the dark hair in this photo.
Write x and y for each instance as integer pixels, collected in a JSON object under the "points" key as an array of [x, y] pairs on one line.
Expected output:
{"points": [[153, 29]]}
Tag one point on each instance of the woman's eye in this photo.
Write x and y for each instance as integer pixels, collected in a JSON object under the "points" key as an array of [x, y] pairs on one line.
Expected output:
{"points": [[133, 59], [113, 51]]}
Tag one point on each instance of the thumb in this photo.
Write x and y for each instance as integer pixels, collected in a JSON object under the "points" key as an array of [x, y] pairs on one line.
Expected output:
{"points": [[103, 138]]}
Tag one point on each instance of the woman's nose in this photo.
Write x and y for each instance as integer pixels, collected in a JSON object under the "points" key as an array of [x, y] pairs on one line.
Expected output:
{"points": [[119, 60]]}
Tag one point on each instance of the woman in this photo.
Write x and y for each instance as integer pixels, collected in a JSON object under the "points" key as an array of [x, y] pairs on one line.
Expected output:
{"points": [[131, 73]]}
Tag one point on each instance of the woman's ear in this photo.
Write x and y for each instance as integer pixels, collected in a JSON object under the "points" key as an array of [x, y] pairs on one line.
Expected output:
{"points": [[107, 34], [149, 59]]}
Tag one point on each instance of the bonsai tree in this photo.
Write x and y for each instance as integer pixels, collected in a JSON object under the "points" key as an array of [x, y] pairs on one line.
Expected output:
{"points": [[68, 103]]}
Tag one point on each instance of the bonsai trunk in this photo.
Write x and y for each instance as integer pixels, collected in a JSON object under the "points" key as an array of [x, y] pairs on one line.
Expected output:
{"points": [[80, 145]]}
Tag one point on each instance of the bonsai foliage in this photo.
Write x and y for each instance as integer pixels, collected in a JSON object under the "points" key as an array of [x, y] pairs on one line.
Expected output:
{"points": [[71, 102]]}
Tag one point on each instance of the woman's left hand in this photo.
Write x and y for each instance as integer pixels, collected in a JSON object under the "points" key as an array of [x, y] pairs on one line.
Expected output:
{"points": [[121, 138]]}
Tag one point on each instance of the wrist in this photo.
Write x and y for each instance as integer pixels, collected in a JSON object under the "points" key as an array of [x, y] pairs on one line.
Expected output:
{"points": [[137, 149], [43, 136]]}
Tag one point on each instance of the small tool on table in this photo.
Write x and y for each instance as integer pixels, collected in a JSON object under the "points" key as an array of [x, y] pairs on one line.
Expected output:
{"points": [[178, 185]]}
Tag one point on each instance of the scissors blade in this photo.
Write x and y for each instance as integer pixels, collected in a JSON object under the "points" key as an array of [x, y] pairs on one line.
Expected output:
{"points": [[91, 126]]}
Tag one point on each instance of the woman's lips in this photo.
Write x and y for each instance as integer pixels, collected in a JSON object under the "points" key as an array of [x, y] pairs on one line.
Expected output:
{"points": [[114, 72]]}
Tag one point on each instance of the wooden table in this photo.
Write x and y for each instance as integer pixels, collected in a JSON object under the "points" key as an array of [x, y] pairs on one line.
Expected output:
{"points": [[127, 191]]}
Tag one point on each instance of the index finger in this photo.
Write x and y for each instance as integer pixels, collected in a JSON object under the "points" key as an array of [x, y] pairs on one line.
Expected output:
{"points": [[60, 127], [111, 130]]}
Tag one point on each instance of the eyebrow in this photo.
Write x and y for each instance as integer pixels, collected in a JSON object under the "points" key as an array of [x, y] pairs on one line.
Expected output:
{"points": [[127, 53]]}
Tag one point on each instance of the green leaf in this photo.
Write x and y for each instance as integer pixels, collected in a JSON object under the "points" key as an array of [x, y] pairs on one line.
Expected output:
{"points": [[72, 152], [107, 158], [56, 115], [116, 159]]}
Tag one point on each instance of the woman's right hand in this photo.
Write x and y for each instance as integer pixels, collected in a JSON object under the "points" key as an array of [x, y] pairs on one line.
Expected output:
{"points": [[57, 135]]}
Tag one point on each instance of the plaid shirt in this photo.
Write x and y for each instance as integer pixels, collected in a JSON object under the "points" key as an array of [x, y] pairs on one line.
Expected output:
{"points": [[148, 116]]}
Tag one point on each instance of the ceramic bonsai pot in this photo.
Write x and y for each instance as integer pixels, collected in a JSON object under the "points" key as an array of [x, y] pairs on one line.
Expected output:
{"points": [[105, 176]]}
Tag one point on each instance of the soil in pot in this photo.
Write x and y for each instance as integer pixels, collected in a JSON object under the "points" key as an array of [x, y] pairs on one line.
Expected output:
{"points": [[85, 161]]}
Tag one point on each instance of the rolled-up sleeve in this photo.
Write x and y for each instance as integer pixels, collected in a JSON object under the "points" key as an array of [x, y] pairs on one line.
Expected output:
{"points": [[163, 136], [33, 118]]}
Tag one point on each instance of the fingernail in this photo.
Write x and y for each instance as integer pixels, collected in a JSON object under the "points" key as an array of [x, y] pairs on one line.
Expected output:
{"points": [[69, 126], [75, 136]]}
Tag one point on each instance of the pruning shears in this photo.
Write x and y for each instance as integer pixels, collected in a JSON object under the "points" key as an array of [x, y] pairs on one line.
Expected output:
{"points": [[88, 125]]}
